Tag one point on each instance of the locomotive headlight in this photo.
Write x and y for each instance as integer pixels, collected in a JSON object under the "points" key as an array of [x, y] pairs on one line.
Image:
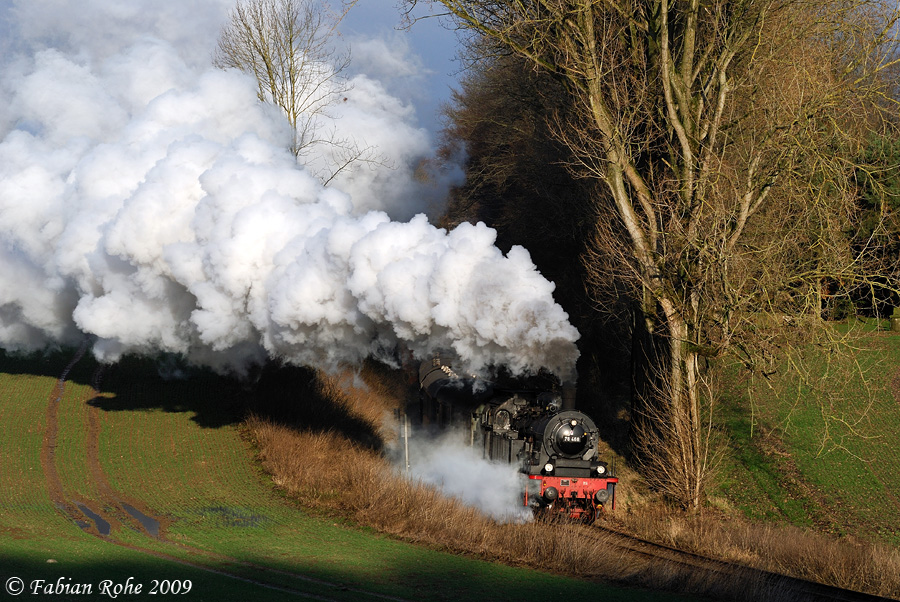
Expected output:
{"points": [[548, 467], [551, 494], [601, 469]]}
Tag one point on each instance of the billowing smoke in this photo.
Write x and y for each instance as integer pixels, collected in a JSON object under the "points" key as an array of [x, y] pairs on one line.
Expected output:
{"points": [[457, 469], [149, 201]]}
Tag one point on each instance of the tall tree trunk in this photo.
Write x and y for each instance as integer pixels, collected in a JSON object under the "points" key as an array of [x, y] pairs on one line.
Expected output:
{"points": [[668, 418], [684, 407]]}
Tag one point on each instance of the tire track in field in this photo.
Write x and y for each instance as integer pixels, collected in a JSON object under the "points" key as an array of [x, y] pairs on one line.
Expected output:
{"points": [[114, 512], [76, 510], [129, 510]]}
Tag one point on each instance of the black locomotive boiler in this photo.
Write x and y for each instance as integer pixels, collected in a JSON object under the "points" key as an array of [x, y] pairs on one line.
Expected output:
{"points": [[554, 446]]}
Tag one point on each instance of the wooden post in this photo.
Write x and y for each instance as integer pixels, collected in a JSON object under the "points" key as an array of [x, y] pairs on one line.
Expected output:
{"points": [[406, 441]]}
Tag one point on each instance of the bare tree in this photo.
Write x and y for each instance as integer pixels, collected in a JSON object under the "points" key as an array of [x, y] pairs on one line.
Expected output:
{"points": [[288, 46], [707, 125]]}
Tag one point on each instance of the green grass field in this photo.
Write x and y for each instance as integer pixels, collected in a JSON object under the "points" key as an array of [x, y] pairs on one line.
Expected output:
{"points": [[822, 450], [173, 450]]}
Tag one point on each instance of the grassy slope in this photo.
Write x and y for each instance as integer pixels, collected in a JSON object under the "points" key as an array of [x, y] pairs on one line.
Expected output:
{"points": [[822, 451], [175, 447]]}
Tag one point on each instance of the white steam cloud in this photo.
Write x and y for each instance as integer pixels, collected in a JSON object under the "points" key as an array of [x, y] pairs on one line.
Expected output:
{"points": [[458, 470], [150, 201]]}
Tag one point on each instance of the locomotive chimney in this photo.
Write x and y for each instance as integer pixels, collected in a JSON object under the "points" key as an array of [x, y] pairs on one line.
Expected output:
{"points": [[568, 395]]}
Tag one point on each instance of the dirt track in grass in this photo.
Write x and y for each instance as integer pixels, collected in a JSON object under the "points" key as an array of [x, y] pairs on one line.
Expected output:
{"points": [[77, 510], [110, 512]]}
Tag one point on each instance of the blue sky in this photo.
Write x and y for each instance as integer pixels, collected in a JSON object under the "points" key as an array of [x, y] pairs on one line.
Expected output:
{"points": [[435, 45]]}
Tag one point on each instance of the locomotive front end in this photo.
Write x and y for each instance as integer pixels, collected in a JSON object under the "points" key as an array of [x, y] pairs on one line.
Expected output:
{"points": [[554, 445], [564, 472]]}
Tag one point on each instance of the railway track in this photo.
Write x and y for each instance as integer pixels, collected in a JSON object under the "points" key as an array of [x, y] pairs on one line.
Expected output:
{"points": [[753, 583]]}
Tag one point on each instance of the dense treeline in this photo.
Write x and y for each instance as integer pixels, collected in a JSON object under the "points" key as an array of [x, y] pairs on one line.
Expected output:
{"points": [[695, 176]]}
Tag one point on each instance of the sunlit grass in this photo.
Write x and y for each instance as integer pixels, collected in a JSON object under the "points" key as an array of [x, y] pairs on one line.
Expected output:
{"points": [[825, 445], [178, 448]]}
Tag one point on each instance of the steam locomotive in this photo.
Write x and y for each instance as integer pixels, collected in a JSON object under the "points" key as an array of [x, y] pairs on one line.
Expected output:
{"points": [[554, 446]]}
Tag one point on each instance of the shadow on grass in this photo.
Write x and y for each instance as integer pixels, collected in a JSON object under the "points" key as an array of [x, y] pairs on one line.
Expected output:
{"points": [[360, 573], [149, 578], [286, 395]]}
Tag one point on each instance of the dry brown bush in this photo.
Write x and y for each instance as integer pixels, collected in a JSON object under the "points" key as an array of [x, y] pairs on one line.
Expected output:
{"points": [[326, 471]]}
